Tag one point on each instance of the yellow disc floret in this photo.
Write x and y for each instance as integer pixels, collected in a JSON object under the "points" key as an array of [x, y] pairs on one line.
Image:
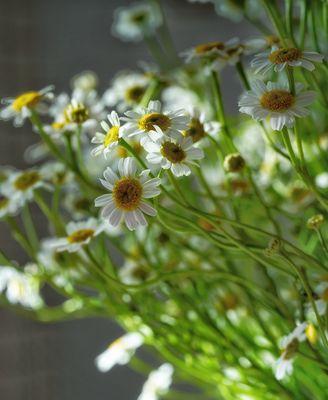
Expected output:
{"points": [[149, 121], [134, 93], [281, 56], [26, 180], [207, 47], [195, 130], [76, 113], [127, 194], [173, 152], [28, 99], [277, 100], [111, 136], [80, 235]]}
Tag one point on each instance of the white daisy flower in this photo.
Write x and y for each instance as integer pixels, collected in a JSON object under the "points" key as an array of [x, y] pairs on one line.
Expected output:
{"points": [[86, 81], [120, 351], [79, 234], [321, 291], [56, 172], [276, 102], [20, 288], [20, 185], [133, 272], [126, 90], [158, 383], [108, 140], [145, 120], [172, 153], [135, 22], [262, 43], [279, 58], [289, 345], [76, 203], [128, 192], [199, 128], [19, 108]]}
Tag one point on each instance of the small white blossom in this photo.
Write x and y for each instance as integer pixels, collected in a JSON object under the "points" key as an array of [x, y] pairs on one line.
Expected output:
{"points": [[158, 383]]}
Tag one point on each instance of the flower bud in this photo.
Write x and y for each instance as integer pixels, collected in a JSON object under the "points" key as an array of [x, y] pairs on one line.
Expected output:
{"points": [[234, 162], [315, 221], [273, 247]]}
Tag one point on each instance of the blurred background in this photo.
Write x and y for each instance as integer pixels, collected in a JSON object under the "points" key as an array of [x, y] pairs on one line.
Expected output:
{"points": [[46, 42]]}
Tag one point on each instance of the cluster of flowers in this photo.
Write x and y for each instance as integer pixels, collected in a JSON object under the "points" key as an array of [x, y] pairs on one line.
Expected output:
{"points": [[177, 158]]}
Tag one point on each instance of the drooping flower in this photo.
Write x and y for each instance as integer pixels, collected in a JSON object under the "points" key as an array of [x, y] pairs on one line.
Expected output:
{"points": [[145, 120], [276, 102], [108, 140], [172, 153], [119, 352], [279, 58], [20, 107], [128, 194], [289, 345], [19, 287], [135, 22], [79, 234], [158, 383]]}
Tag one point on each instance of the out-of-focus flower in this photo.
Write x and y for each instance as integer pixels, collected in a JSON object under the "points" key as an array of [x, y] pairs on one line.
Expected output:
{"points": [[119, 352], [19, 287], [289, 345], [20, 107], [133, 272], [128, 192], [198, 127], [175, 154], [79, 234], [279, 58], [276, 102], [158, 383], [86, 81], [145, 120], [108, 140], [135, 22]]}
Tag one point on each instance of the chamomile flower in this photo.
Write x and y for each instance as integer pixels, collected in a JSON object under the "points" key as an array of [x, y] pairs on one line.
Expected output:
{"points": [[276, 102], [108, 140], [120, 351], [198, 127], [87, 81], [145, 120], [56, 172], [158, 383], [126, 90], [262, 43], [135, 22], [289, 345], [175, 154], [20, 288], [133, 272], [20, 107], [279, 58], [79, 234], [20, 185], [128, 192]]}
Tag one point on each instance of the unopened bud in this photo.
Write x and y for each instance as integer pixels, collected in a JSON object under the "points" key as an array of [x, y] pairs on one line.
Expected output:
{"points": [[234, 162], [273, 247], [315, 221]]}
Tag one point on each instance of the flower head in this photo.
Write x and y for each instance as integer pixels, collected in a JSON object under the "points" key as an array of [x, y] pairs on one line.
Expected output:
{"points": [[172, 153], [127, 194], [158, 383], [79, 234], [135, 22], [276, 102], [108, 140], [289, 345], [279, 58], [119, 352], [147, 119], [21, 107]]}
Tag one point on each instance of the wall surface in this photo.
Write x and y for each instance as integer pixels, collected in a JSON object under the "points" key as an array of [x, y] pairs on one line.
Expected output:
{"points": [[46, 42]]}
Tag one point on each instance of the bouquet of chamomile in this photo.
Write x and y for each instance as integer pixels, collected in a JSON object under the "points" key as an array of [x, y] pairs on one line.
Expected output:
{"points": [[204, 235]]}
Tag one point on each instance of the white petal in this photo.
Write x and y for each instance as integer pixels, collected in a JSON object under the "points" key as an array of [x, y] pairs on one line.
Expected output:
{"points": [[148, 209]]}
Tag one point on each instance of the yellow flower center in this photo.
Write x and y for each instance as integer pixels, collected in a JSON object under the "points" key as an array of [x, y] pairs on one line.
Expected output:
{"points": [[207, 47], [58, 125], [291, 349], [139, 18], [277, 100], [281, 56], [135, 93], [26, 180], [195, 130], [28, 99], [272, 40], [76, 113], [3, 202], [80, 235], [140, 273], [127, 194], [111, 136], [324, 295], [82, 204], [148, 121], [173, 152]]}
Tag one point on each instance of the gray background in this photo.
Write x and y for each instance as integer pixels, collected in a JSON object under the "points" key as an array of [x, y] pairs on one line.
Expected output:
{"points": [[46, 42]]}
